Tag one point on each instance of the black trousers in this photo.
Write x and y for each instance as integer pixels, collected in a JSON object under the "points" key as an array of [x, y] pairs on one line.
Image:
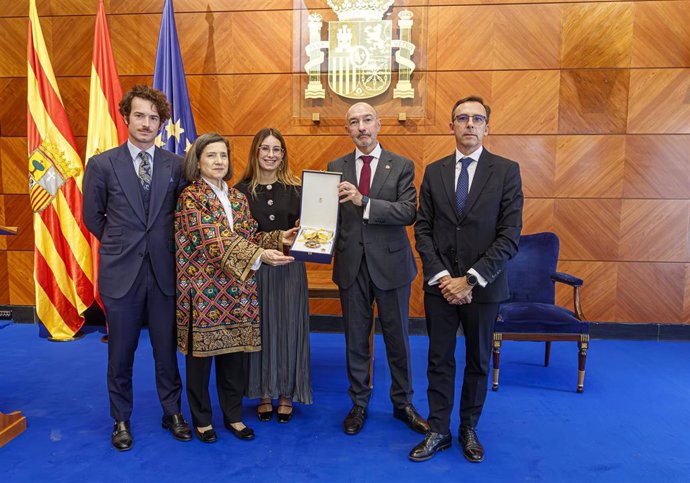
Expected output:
{"points": [[231, 379], [126, 315], [358, 316], [442, 321]]}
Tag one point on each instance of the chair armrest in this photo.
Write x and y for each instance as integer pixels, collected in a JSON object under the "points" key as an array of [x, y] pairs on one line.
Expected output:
{"points": [[567, 279], [576, 283]]}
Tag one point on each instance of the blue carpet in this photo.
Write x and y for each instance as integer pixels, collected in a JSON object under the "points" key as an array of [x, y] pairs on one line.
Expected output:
{"points": [[630, 424]]}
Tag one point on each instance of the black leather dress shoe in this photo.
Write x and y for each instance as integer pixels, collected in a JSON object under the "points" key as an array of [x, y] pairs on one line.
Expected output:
{"points": [[263, 413], [178, 427], [472, 449], [245, 433], [354, 421], [208, 436], [432, 444], [412, 418], [121, 437]]}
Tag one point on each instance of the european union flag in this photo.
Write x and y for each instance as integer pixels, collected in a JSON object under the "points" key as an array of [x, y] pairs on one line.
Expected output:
{"points": [[179, 132]]}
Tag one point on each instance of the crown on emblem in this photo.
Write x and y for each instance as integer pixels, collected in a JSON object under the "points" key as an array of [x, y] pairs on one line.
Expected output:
{"points": [[359, 9]]}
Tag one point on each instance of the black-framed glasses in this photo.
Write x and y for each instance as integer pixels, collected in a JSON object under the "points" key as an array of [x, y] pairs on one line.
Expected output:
{"points": [[275, 150], [477, 119]]}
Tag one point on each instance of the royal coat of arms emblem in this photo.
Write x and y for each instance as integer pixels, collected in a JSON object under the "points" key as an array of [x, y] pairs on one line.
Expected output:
{"points": [[360, 45]]}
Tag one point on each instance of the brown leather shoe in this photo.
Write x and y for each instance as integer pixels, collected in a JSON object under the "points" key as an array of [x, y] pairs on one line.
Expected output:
{"points": [[472, 449], [178, 427], [411, 417], [354, 421], [121, 437], [432, 444]]}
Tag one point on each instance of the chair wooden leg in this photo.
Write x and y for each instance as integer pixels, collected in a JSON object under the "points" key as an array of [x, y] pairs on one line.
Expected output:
{"points": [[582, 359], [498, 339], [547, 353]]}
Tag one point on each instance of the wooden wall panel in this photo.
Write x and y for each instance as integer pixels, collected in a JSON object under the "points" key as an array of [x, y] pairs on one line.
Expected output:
{"points": [[591, 98], [524, 102], [18, 213], [13, 46], [661, 37], [590, 166], [655, 230], [589, 229], [14, 165], [536, 155], [659, 101], [20, 275], [597, 35], [657, 167], [649, 292], [4, 280], [593, 101]]}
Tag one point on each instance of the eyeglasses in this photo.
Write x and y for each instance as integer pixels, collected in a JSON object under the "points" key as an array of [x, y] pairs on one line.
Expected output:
{"points": [[276, 151], [477, 119]]}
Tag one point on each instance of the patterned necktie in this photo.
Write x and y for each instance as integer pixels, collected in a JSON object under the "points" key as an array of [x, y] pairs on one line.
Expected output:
{"points": [[145, 170], [365, 175], [462, 188]]}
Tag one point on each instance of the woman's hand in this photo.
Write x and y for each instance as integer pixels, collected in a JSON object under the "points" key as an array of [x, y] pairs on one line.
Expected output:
{"points": [[289, 236], [275, 258]]}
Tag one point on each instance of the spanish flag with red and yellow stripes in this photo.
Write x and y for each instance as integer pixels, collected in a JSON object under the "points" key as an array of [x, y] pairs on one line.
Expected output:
{"points": [[63, 269], [106, 127]]}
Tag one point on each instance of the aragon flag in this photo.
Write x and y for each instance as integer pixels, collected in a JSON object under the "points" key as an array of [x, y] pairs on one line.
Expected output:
{"points": [[179, 132], [62, 255], [106, 127]]}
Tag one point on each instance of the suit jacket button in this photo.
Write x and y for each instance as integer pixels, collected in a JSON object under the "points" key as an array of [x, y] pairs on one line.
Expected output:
{"points": [[140, 254], [457, 228]]}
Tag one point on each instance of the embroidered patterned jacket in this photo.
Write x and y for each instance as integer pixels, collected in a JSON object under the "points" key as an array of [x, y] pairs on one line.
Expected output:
{"points": [[214, 276]]}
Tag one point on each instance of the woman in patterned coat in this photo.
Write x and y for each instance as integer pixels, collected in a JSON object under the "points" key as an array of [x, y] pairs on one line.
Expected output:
{"points": [[218, 251]]}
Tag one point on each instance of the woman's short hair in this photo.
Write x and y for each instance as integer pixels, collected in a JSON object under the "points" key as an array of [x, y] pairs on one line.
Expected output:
{"points": [[190, 170]]}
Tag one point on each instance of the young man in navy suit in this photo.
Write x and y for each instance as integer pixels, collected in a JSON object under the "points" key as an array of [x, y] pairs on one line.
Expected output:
{"points": [[468, 226], [130, 194]]}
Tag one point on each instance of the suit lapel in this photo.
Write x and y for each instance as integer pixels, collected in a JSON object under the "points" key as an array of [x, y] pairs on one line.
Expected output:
{"points": [[349, 170], [481, 176], [124, 170], [162, 169], [448, 180], [383, 170]]}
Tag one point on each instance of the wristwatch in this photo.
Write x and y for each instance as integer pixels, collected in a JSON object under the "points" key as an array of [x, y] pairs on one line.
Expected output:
{"points": [[365, 201], [471, 280]]}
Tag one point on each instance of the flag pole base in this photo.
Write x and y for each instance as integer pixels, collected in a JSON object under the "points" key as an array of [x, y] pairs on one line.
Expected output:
{"points": [[77, 336]]}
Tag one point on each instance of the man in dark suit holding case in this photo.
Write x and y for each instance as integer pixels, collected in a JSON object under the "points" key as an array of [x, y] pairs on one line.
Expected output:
{"points": [[468, 226], [130, 194], [374, 262]]}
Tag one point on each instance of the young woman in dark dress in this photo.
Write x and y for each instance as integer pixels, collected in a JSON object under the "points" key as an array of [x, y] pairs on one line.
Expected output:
{"points": [[282, 369]]}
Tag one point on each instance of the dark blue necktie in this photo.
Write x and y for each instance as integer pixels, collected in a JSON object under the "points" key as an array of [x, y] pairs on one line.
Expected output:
{"points": [[463, 186]]}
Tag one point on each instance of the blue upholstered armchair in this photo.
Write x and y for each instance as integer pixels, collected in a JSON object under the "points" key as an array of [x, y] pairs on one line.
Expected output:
{"points": [[531, 313]]}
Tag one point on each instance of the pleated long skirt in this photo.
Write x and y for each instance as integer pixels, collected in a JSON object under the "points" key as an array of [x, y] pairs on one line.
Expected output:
{"points": [[282, 368]]}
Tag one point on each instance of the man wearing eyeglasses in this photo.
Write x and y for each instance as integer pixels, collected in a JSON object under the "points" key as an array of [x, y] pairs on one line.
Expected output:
{"points": [[374, 263], [468, 226]]}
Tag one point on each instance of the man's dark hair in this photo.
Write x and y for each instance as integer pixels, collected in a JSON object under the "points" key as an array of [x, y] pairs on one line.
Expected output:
{"points": [[471, 99], [141, 91]]}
